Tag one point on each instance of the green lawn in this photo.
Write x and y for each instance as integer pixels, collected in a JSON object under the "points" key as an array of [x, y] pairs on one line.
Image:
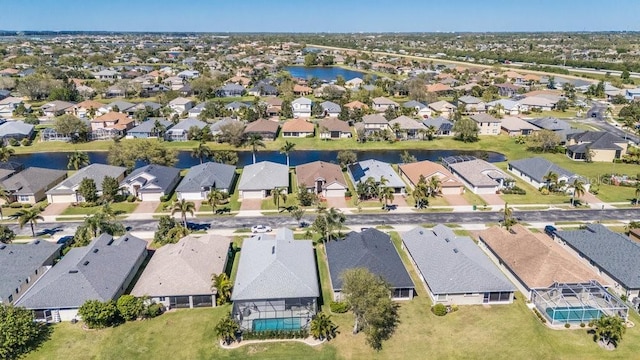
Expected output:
{"points": [[122, 207]]}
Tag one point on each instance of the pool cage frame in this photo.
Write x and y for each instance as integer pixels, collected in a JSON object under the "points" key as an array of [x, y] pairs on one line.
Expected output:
{"points": [[581, 298], [291, 310]]}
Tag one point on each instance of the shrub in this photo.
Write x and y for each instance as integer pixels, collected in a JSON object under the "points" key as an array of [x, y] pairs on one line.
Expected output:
{"points": [[132, 198], [339, 307], [439, 310], [542, 318], [97, 314], [348, 193], [130, 307], [27, 206], [274, 334], [567, 325], [25, 142], [514, 190], [15, 205], [14, 142], [163, 198], [454, 308], [153, 310], [582, 325], [544, 191], [624, 297]]}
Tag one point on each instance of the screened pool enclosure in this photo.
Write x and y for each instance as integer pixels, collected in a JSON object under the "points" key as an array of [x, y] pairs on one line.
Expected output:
{"points": [[276, 314], [577, 303]]}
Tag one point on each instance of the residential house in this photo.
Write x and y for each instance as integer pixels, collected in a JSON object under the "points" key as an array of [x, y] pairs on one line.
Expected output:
{"points": [[612, 254], [507, 89], [150, 129], [112, 123], [118, 106], [329, 90], [29, 186], [412, 172], [531, 261], [597, 146], [443, 108], [180, 275], [487, 124], [406, 128], [477, 175], [106, 74], [276, 286], [218, 126], [86, 108], [373, 250], [632, 94], [57, 108], [21, 265], [231, 90], [263, 89], [421, 109], [332, 128], [301, 90], [381, 104], [362, 170], [297, 128], [504, 107], [330, 109], [374, 123], [471, 104], [236, 106], [301, 107], [203, 178], [266, 128], [259, 179], [174, 82], [535, 169], [440, 126], [67, 191], [188, 74], [115, 91], [101, 271], [180, 131], [322, 178], [9, 104], [151, 182], [561, 127], [454, 269], [356, 105], [536, 102], [16, 130], [440, 88], [195, 111], [274, 106], [181, 105], [514, 126]]}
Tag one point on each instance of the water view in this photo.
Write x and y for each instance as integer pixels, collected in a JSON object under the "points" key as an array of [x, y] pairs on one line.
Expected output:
{"points": [[59, 160], [328, 73]]}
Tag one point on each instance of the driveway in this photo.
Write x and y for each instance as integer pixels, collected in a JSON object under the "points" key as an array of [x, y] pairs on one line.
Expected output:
{"points": [[146, 207], [251, 204], [456, 200], [338, 202], [492, 199], [54, 209]]}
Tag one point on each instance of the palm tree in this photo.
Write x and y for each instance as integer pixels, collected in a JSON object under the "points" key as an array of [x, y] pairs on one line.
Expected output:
{"points": [[637, 195], [551, 179], [578, 190], [420, 193], [202, 151], [286, 149], [5, 152], [609, 330], [226, 329], [158, 130], [508, 219], [215, 198], [386, 195], [279, 194], [183, 207], [255, 141], [6, 196], [77, 160], [322, 327], [28, 216], [223, 285], [435, 186]]}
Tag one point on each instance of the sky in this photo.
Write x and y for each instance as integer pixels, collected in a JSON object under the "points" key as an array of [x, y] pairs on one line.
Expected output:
{"points": [[321, 15]]}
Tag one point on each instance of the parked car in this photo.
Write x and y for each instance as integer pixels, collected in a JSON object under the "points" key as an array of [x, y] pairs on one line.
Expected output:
{"points": [[260, 229], [550, 230]]}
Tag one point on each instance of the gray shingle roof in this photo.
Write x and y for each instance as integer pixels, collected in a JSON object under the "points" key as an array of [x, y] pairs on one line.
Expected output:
{"points": [[265, 175], [451, 264], [276, 267], [97, 172], [614, 253], [86, 274], [362, 170], [209, 174], [478, 172], [20, 261], [146, 126], [407, 123], [598, 140], [537, 168], [371, 249], [154, 178], [188, 123], [15, 128], [32, 180]]}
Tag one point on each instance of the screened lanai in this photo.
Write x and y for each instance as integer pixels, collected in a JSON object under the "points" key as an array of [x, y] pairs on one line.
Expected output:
{"points": [[577, 303]]}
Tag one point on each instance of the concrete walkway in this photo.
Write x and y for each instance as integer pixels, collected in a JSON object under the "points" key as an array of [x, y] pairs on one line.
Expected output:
{"points": [[234, 345]]}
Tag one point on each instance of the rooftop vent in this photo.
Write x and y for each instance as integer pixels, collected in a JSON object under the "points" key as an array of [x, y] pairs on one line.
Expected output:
{"points": [[2, 247], [37, 241], [273, 249], [110, 242], [73, 271], [95, 251], [446, 239], [85, 263], [421, 232], [455, 251]]}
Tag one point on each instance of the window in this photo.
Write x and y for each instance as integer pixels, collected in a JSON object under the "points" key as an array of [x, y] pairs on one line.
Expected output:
{"points": [[10, 298], [161, 298], [401, 293], [23, 198], [442, 297]]}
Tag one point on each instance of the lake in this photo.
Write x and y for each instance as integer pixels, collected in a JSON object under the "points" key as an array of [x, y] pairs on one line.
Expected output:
{"points": [[328, 73], [60, 160]]}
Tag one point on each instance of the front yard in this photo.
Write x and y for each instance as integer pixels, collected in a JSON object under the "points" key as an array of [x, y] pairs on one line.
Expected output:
{"points": [[118, 208]]}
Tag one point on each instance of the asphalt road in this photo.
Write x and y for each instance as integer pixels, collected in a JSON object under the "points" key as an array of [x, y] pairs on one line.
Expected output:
{"points": [[476, 217], [599, 121]]}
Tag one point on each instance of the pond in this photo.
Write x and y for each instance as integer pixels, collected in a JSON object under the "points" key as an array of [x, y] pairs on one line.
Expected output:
{"points": [[327, 73], [59, 160]]}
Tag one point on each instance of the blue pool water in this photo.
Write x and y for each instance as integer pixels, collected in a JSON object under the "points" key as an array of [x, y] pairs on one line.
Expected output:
{"points": [[276, 324], [573, 314], [327, 73]]}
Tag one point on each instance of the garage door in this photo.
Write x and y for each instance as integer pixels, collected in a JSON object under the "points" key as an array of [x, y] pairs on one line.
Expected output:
{"points": [[334, 193], [252, 194], [151, 197]]}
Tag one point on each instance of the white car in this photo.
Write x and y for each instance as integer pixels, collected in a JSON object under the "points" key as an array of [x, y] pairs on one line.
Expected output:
{"points": [[260, 229]]}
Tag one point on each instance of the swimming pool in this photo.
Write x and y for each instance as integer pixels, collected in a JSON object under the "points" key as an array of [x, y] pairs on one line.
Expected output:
{"points": [[573, 314], [276, 324]]}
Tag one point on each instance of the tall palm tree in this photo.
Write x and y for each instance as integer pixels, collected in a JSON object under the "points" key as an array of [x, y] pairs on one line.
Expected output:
{"points": [[578, 190], [6, 196], [435, 186], [223, 285], [286, 149], [183, 207], [202, 151], [5, 152], [420, 193], [637, 195], [551, 179], [226, 329], [279, 194], [77, 160], [322, 327], [255, 141], [508, 219], [609, 329], [386, 195], [28, 216], [215, 198]]}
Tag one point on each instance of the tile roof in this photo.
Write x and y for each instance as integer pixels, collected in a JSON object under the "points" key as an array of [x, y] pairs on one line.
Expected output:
{"points": [[333, 124], [407, 123], [479, 172], [308, 173], [428, 169], [262, 126], [298, 125]]}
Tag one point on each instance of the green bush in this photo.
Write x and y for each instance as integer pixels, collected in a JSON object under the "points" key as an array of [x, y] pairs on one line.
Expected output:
{"points": [[348, 193], [582, 325], [153, 310], [132, 198], [14, 142], [27, 206], [454, 308], [439, 310], [514, 190], [339, 307], [163, 198], [274, 334], [25, 142], [567, 325], [15, 205], [542, 318], [130, 307]]}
